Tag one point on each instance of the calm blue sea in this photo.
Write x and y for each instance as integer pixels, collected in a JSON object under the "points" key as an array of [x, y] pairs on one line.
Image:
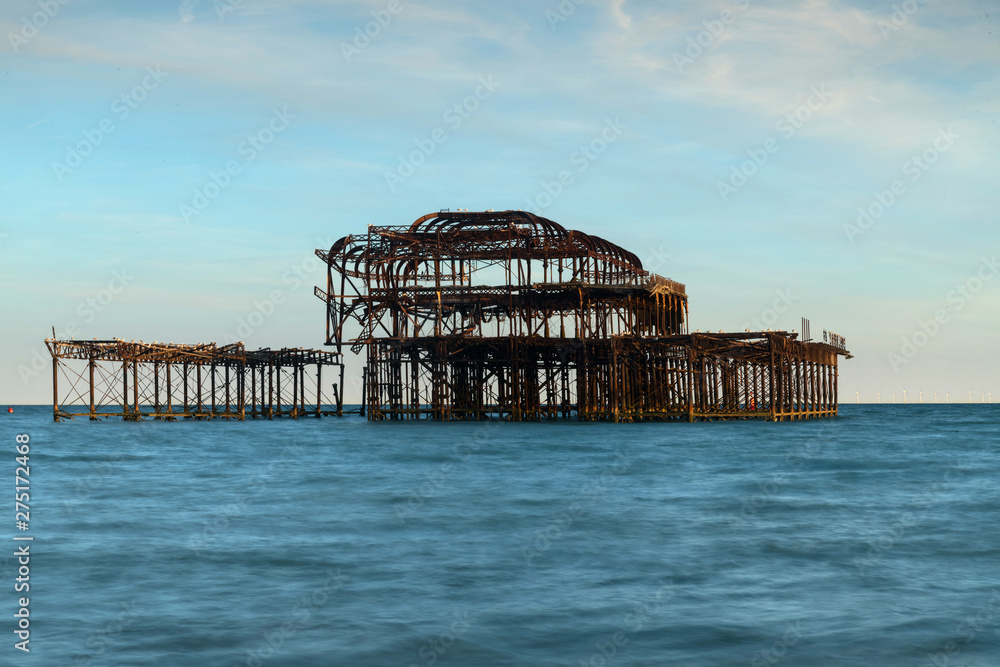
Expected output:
{"points": [[871, 539]]}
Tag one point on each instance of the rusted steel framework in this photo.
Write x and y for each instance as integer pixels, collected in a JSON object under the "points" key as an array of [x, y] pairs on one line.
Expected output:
{"points": [[134, 381], [509, 315]]}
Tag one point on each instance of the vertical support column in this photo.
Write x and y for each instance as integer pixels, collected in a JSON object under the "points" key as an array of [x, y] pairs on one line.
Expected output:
{"points": [[302, 389], [270, 390], [242, 391], [827, 387], [836, 394], [319, 388], [615, 389], [124, 387], [414, 364], [278, 388], [340, 394], [364, 390], [810, 390], [772, 394], [791, 387], [831, 396], [170, 400], [796, 384], [806, 384], [55, 387], [253, 393], [706, 364], [263, 392], [817, 374], [93, 411], [814, 387], [820, 385], [690, 381], [374, 408], [135, 387]]}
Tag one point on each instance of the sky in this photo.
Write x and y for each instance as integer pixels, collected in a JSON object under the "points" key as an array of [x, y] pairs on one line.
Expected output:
{"points": [[169, 168]]}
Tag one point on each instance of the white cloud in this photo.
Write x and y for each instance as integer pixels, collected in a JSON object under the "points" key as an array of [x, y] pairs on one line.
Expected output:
{"points": [[187, 10], [766, 59], [623, 19]]}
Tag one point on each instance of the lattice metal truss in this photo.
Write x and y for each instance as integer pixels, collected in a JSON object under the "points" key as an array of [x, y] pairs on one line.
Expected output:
{"points": [[116, 378], [509, 315]]}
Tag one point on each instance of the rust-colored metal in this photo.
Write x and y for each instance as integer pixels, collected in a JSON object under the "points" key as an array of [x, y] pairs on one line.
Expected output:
{"points": [[510, 315], [201, 381]]}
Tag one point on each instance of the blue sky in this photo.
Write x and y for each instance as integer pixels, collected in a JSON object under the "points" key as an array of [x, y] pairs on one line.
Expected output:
{"points": [[169, 169]]}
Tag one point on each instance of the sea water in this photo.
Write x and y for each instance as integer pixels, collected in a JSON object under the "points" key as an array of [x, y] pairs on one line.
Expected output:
{"points": [[869, 539]]}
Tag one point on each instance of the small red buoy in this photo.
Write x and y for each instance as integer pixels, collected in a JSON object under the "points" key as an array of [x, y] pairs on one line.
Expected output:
{"points": [[10, 409]]}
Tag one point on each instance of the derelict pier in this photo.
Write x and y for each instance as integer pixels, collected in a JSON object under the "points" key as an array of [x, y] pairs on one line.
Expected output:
{"points": [[508, 315]]}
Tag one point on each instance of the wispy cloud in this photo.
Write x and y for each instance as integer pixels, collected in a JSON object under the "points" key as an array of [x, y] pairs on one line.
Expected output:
{"points": [[39, 122], [187, 10], [761, 63], [623, 19]]}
